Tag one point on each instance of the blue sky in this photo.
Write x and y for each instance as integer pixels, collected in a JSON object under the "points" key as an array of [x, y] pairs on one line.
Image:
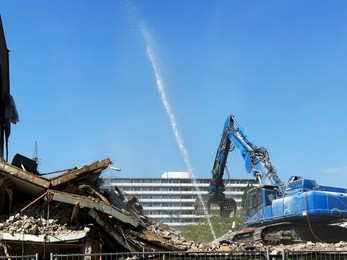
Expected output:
{"points": [[85, 89]]}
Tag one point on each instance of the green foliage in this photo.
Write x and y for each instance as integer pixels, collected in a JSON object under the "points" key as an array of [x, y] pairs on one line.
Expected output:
{"points": [[201, 232]]}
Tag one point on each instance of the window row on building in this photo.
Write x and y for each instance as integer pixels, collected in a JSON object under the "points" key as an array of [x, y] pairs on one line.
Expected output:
{"points": [[173, 204]]}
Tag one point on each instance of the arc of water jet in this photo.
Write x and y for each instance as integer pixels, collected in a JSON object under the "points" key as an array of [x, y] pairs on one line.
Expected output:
{"points": [[152, 57]]}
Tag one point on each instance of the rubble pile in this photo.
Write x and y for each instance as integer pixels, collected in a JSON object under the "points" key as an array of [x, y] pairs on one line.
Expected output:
{"points": [[223, 244], [33, 226], [308, 246], [174, 237]]}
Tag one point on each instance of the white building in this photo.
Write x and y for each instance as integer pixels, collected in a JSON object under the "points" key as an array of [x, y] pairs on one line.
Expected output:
{"points": [[170, 199]]}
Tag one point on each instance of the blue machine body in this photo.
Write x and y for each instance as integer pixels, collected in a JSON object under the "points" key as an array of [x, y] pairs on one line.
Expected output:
{"points": [[273, 201], [304, 200]]}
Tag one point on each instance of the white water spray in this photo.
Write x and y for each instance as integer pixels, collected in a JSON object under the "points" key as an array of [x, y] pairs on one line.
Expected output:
{"points": [[160, 85]]}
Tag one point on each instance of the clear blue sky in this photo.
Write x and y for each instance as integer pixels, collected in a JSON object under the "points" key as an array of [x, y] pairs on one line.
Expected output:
{"points": [[85, 89]]}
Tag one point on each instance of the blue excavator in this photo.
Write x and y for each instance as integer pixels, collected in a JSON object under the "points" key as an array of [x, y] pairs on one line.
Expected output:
{"points": [[275, 212]]}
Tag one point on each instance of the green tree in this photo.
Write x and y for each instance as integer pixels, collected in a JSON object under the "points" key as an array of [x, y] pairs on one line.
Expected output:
{"points": [[202, 233]]}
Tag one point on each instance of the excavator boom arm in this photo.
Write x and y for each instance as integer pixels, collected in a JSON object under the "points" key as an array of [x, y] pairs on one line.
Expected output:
{"points": [[256, 161]]}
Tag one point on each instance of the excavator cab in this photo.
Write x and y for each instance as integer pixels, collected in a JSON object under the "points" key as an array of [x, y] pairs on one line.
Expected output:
{"points": [[207, 204], [257, 199]]}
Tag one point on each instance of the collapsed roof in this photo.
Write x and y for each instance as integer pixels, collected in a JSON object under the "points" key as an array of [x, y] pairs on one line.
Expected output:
{"points": [[73, 208]]}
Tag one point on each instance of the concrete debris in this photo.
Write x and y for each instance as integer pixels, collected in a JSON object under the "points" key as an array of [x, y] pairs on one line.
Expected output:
{"points": [[33, 226], [223, 244]]}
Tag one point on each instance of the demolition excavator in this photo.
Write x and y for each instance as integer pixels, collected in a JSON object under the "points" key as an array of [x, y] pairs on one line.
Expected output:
{"points": [[275, 212]]}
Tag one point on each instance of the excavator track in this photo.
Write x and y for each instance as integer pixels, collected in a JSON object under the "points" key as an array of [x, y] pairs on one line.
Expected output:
{"points": [[289, 233]]}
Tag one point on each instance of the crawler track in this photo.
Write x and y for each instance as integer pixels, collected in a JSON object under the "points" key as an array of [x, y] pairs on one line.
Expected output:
{"points": [[289, 233]]}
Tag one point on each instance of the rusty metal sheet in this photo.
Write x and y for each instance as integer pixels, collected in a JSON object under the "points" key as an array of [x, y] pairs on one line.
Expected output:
{"points": [[24, 181], [93, 168], [34, 185], [73, 199]]}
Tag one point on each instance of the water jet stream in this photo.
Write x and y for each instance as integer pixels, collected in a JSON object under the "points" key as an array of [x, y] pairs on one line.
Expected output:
{"points": [[160, 85]]}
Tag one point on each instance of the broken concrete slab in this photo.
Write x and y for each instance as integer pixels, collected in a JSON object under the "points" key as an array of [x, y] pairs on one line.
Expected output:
{"points": [[73, 199], [44, 238]]}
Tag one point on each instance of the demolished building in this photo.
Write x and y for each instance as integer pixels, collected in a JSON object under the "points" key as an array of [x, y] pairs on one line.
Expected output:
{"points": [[70, 213]]}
